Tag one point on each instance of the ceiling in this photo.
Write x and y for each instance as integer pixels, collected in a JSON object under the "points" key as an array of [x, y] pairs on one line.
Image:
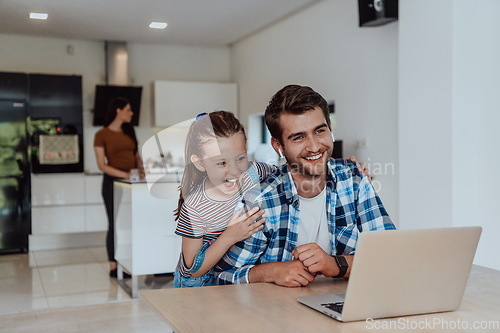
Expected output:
{"points": [[190, 22]]}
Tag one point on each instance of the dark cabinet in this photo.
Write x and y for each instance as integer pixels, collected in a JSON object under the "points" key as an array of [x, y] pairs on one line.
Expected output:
{"points": [[55, 108], [14, 87], [54, 111]]}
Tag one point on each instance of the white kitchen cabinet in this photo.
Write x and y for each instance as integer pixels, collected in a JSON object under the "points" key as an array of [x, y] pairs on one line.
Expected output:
{"points": [[57, 219], [177, 101], [66, 203], [95, 218], [57, 189], [57, 202], [93, 184]]}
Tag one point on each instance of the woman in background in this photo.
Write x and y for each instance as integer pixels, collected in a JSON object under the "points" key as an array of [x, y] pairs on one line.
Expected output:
{"points": [[116, 153]]}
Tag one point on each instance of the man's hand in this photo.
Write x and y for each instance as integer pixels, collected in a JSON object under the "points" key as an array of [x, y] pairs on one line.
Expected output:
{"points": [[286, 273], [316, 260]]}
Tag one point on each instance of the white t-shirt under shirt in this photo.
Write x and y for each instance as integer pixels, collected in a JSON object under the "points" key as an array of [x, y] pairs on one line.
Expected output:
{"points": [[313, 226]]}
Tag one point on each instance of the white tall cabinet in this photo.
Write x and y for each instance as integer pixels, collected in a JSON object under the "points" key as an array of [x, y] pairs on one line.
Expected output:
{"points": [[64, 204], [177, 101]]}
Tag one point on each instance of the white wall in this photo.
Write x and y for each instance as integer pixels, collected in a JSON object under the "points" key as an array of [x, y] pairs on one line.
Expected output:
{"points": [[476, 116], [151, 62], [147, 63], [323, 47], [448, 118], [425, 113]]}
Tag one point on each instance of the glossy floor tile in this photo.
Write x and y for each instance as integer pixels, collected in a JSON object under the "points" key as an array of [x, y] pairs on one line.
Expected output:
{"points": [[71, 291], [92, 297], [74, 279], [63, 257], [99, 254], [14, 266], [21, 288], [64, 278]]}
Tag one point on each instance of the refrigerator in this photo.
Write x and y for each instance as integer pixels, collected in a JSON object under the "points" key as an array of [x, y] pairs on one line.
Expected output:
{"points": [[15, 194], [32, 105]]}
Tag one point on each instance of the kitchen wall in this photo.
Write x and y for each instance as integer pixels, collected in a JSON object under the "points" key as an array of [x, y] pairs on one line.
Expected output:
{"points": [[147, 63], [448, 118], [426, 110], [323, 47], [476, 154], [475, 123], [421, 92]]}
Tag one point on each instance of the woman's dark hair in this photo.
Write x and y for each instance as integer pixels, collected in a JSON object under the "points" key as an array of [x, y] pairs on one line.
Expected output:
{"points": [[206, 127], [293, 99], [127, 128]]}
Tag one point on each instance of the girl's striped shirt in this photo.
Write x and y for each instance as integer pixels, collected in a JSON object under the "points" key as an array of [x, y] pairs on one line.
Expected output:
{"points": [[202, 217]]}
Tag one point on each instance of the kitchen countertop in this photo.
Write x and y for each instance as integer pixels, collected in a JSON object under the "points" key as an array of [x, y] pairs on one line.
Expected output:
{"points": [[155, 178], [145, 181]]}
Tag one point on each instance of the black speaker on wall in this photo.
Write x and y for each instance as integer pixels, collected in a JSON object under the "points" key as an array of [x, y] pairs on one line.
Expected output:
{"points": [[377, 12]]}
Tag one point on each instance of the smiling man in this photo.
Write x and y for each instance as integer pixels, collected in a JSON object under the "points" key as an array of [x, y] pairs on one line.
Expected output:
{"points": [[315, 205]]}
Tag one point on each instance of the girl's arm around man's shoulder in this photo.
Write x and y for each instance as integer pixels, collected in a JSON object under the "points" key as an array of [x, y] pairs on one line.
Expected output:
{"points": [[263, 169]]}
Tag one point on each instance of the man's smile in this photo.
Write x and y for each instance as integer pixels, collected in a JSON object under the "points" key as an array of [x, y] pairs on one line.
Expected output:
{"points": [[314, 157]]}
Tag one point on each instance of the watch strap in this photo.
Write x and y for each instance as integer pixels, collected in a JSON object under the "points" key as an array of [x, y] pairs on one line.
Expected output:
{"points": [[343, 266]]}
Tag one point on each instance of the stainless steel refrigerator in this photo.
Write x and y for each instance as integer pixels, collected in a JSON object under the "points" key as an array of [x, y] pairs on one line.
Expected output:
{"points": [[15, 210]]}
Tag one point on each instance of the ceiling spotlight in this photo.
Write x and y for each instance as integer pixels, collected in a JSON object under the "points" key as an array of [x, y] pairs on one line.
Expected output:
{"points": [[158, 25], [38, 16]]}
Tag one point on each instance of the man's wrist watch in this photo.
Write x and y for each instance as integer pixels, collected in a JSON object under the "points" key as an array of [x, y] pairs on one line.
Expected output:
{"points": [[343, 266]]}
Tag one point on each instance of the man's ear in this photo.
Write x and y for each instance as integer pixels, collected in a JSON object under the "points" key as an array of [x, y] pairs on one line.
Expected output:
{"points": [[197, 163], [277, 147]]}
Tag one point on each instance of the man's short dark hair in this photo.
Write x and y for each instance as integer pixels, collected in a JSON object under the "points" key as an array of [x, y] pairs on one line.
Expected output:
{"points": [[294, 99]]}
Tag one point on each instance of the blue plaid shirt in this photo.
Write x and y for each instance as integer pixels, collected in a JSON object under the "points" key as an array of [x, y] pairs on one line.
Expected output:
{"points": [[352, 206]]}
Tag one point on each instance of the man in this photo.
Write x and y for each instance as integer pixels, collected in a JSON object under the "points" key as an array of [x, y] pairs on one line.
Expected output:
{"points": [[315, 206]]}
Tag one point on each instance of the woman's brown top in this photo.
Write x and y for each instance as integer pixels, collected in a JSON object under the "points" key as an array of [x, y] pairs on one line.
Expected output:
{"points": [[119, 149]]}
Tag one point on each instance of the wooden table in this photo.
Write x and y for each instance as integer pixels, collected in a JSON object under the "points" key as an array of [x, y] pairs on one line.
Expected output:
{"points": [[264, 307]]}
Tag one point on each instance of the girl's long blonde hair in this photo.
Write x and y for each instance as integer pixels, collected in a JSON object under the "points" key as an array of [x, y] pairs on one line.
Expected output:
{"points": [[206, 127]]}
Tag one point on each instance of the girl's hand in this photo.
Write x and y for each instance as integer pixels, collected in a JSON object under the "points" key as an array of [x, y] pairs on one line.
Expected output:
{"points": [[242, 227], [362, 168]]}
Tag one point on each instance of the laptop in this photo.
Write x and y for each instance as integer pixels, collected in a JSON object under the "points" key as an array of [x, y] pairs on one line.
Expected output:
{"points": [[403, 272]]}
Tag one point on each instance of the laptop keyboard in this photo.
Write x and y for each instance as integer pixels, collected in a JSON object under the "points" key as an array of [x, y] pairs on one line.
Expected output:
{"points": [[337, 306]]}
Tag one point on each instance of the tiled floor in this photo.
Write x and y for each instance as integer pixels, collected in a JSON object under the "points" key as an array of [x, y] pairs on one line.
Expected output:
{"points": [[44, 280]]}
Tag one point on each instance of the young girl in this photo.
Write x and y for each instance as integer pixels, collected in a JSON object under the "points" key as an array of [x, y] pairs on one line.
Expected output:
{"points": [[217, 173]]}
